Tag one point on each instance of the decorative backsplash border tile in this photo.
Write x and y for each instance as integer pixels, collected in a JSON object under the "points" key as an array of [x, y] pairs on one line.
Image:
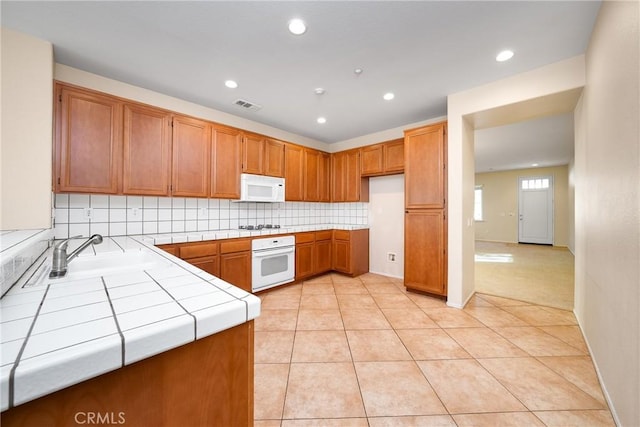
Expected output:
{"points": [[84, 214]]}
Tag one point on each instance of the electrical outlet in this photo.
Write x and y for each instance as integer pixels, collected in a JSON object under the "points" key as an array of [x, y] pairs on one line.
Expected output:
{"points": [[203, 212], [391, 257], [87, 213], [135, 212]]}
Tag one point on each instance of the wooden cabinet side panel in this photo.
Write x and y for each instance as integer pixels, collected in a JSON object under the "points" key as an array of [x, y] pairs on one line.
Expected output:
{"points": [[359, 252], [163, 390], [191, 146], [88, 150], [147, 151], [424, 151], [424, 251], [274, 158], [293, 172], [225, 162]]}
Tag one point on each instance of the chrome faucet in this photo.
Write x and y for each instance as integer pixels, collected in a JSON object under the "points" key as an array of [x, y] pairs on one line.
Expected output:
{"points": [[60, 258]]}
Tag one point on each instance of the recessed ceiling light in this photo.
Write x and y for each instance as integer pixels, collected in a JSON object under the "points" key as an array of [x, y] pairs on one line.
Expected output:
{"points": [[388, 96], [321, 120], [358, 71], [297, 26], [505, 55], [231, 84], [319, 91], [534, 164]]}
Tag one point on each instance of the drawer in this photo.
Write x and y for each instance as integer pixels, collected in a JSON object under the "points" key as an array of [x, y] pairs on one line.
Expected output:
{"points": [[305, 237], [196, 250], [341, 235], [239, 245], [323, 235], [172, 249]]}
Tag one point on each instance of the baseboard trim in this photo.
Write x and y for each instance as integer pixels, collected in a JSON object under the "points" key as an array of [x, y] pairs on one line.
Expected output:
{"points": [[386, 275]]}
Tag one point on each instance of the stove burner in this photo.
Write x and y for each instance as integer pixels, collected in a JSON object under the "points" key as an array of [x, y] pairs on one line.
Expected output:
{"points": [[258, 227]]}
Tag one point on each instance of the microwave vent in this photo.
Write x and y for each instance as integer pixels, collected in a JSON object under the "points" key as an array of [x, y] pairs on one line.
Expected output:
{"points": [[247, 105]]}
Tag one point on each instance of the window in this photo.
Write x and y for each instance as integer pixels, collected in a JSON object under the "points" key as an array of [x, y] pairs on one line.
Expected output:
{"points": [[477, 204], [535, 184]]}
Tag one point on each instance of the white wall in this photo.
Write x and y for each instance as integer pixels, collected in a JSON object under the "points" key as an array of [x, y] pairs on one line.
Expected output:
{"points": [[607, 166], [26, 141], [386, 224], [530, 87]]}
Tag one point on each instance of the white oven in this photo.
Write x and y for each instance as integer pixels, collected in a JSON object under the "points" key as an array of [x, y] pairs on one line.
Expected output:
{"points": [[273, 262]]}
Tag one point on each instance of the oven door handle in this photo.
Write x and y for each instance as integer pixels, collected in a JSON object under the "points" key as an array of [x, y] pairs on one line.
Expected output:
{"points": [[268, 252]]}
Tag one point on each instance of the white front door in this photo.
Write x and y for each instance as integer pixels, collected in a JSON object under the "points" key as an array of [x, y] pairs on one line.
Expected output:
{"points": [[535, 210]]}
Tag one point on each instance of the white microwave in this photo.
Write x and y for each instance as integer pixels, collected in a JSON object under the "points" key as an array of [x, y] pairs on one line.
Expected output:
{"points": [[260, 188]]}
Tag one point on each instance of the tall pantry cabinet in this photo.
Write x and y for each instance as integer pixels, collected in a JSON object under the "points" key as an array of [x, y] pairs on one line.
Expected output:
{"points": [[425, 231]]}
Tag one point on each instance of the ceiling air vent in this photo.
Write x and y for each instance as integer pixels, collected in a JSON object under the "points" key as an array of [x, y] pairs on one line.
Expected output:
{"points": [[247, 105]]}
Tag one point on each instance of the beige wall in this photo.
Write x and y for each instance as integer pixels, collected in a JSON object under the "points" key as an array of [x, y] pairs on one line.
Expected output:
{"points": [[26, 142], [500, 204], [607, 166]]}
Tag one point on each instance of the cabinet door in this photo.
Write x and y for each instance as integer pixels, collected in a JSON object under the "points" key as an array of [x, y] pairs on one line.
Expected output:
{"points": [[225, 162], [208, 264], [88, 146], [372, 160], [338, 166], [235, 268], [253, 154], [191, 147], [424, 151], [311, 174], [293, 172], [322, 256], [324, 177], [393, 156], [147, 151], [352, 178], [304, 260], [341, 258], [274, 158], [424, 251]]}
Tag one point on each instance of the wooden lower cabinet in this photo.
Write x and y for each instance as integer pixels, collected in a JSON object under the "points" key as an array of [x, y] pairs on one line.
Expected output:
{"points": [[210, 264], [322, 252], [304, 260], [425, 251], [208, 382], [235, 263], [350, 251]]}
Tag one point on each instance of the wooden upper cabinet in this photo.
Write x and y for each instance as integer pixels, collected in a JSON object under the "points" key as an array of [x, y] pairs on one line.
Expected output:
{"points": [[311, 175], [393, 156], [147, 151], [356, 188], [324, 177], [338, 165], [425, 154], [294, 172], [226, 149], [372, 160], [88, 142], [253, 154], [274, 158], [191, 147]]}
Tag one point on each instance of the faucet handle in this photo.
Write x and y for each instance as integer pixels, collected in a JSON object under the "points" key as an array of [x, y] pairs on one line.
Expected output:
{"points": [[63, 244]]}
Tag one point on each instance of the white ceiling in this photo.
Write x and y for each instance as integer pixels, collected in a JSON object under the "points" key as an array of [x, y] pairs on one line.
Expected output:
{"points": [[419, 50]]}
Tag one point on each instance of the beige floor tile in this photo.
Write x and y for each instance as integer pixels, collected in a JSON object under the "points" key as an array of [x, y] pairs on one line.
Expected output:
{"points": [[339, 278], [266, 423], [569, 334], [428, 344], [576, 418], [355, 318], [396, 388], [451, 318], [356, 288], [317, 288], [273, 346], [536, 342], [280, 301], [376, 345], [294, 289], [316, 320], [501, 301], [508, 419], [424, 301], [580, 371], [413, 421], [325, 278], [537, 386], [477, 301], [356, 301], [374, 278], [483, 342], [270, 385], [323, 390], [327, 422], [319, 301], [386, 287], [466, 387], [536, 315], [411, 318], [321, 346], [494, 316], [276, 320], [395, 300]]}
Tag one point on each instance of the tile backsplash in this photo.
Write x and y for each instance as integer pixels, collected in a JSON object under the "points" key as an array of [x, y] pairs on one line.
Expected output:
{"points": [[84, 214]]}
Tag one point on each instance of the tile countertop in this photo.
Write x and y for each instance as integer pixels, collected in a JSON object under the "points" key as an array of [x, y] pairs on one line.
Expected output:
{"points": [[122, 301]]}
